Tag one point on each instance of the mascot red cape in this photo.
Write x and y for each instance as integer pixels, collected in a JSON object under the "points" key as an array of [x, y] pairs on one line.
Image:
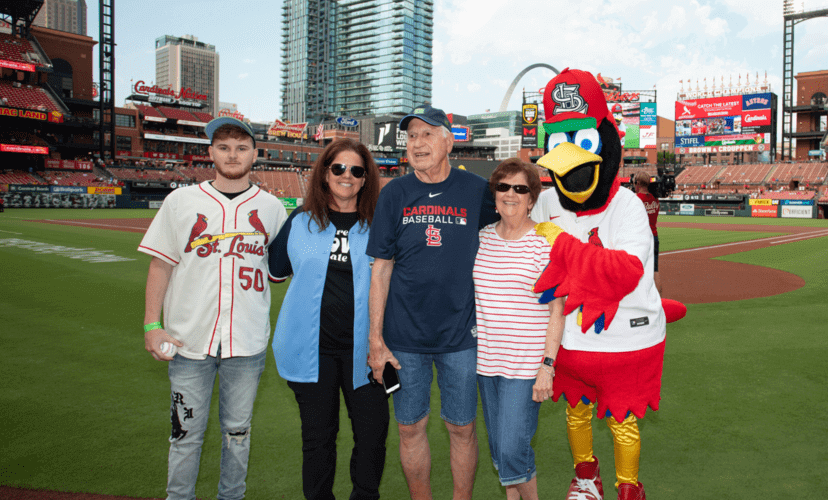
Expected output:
{"points": [[602, 262]]}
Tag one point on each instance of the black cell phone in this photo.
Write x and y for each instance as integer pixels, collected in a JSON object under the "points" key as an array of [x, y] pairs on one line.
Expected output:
{"points": [[390, 379]]}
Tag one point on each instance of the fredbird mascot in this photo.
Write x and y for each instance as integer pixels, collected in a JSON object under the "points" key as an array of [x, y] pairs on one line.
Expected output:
{"points": [[602, 261]]}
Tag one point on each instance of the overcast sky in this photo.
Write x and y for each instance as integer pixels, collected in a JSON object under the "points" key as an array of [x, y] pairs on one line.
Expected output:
{"points": [[480, 46]]}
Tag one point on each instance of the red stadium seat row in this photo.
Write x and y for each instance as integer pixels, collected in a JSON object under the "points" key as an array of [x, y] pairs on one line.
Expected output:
{"points": [[149, 111], [132, 174], [202, 117], [25, 96], [177, 114], [754, 174], [73, 179], [17, 49], [18, 177]]}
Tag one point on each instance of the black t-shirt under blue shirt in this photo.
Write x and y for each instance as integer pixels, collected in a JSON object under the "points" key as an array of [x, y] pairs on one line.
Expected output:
{"points": [[431, 233], [336, 325]]}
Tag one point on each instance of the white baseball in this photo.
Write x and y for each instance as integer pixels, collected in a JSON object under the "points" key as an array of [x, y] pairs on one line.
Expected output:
{"points": [[169, 349]]}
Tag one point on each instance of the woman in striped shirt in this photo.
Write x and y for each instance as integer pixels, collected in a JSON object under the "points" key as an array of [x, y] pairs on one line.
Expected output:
{"points": [[518, 338]]}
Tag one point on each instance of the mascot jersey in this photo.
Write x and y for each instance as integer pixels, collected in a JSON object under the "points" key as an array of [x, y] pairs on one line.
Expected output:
{"points": [[622, 225]]}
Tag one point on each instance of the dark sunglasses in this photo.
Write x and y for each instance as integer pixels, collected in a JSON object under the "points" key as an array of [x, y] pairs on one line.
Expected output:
{"points": [[502, 187], [340, 168]]}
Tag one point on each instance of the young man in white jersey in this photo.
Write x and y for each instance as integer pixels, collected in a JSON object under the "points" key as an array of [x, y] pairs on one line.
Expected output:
{"points": [[209, 276]]}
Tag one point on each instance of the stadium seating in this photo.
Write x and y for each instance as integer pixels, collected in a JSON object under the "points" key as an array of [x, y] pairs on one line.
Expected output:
{"points": [[631, 170], [19, 50], [18, 95], [814, 173], [18, 177], [789, 195], [149, 111], [62, 178], [133, 174], [198, 174], [202, 117], [697, 175], [177, 114], [753, 173], [281, 183]]}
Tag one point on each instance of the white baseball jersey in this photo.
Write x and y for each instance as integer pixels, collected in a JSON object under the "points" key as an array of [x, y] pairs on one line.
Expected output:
{"points": [[218, 293], [623, 225]]}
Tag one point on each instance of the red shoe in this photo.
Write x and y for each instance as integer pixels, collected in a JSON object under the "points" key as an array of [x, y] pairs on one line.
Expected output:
{"points": [[587, 484], [627, 491]]}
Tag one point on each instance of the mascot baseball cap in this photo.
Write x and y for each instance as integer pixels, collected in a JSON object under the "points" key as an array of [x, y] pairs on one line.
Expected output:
{"points": [[573, 100], [215, 123], [426, 113]]}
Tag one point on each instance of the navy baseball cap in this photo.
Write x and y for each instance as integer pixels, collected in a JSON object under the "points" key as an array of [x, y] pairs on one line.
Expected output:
{"points": [[215, 123], [426, 113]]}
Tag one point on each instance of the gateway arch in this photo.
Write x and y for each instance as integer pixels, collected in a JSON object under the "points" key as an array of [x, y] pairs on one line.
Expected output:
{"points": [[511, 89]]}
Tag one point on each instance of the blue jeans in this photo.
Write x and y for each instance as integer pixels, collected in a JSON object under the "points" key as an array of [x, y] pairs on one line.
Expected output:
{"points": [[511, 421], [456, 378], [191, 384]]}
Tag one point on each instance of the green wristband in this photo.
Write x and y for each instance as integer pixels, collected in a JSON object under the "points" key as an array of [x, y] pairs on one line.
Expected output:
{"points": [[153, 326]]}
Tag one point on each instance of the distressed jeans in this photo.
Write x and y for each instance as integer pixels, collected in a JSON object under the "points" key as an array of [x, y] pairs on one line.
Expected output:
{"points": [[191, 383]]}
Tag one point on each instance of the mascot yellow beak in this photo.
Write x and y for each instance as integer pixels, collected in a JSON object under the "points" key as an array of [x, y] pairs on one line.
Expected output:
{"points": [[565, 158]]}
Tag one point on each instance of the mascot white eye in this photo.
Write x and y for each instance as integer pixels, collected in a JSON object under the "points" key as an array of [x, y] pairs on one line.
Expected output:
{"points": [[556, 139], [588, 139]]}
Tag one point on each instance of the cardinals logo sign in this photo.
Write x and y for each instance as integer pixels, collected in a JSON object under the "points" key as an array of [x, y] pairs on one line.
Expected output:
{"points": [[207, 244]]}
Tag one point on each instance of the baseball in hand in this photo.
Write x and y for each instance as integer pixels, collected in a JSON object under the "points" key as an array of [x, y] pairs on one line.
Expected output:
{"points": [[169, 349]]}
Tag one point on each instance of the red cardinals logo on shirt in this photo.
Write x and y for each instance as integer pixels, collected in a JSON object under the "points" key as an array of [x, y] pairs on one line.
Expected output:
{"points": [[207, 244], [195, 232], [253, 217], [594, 239], [433, 238]]}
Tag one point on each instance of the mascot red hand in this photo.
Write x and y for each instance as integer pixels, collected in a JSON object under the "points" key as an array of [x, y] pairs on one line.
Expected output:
{"points": [[589, 276]]}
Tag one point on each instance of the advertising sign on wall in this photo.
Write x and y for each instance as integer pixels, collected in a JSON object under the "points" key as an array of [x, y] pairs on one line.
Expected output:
{"points": [[20, 148], [68, 164], [797, 211], [388, 137], [741, 123], [530, 126], [762, 210], [289, 130], [19, 66], [461, 133]]}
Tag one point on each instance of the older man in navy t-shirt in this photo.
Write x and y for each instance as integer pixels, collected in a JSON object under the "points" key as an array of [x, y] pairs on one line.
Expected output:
{"points": [[424, 238]]}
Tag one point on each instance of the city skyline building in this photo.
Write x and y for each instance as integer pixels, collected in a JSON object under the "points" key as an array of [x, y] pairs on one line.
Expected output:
{"points": [[186, 63], [63, 15], [355, 57]]}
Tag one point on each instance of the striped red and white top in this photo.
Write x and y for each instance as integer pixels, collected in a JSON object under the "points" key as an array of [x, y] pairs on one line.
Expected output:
{"points": [[511, 324]]}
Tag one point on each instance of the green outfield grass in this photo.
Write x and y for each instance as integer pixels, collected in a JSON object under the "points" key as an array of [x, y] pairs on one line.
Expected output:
{"points": [[85, 408]]}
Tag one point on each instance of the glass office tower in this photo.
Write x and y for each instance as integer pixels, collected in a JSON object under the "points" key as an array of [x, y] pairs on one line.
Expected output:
{"points": [[355, 57]]}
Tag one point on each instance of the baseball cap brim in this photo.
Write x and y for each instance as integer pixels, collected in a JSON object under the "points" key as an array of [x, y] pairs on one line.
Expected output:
{"points": [[408, 118], [215, 123]]}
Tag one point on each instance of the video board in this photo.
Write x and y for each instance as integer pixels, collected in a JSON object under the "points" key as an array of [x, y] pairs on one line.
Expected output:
{"points": [[740, 123], [638, 122]]}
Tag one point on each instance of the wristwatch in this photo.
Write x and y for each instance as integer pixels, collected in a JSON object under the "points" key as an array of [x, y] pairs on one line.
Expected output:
{"points": [[549, 361]]}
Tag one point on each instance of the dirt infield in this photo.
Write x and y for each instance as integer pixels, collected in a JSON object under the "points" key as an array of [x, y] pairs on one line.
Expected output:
{"points": [[8, 493], [691, 276]]}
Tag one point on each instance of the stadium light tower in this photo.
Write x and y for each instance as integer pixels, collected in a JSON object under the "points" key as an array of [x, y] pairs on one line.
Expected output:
{"points": [[106, 54], [791, 20]]}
